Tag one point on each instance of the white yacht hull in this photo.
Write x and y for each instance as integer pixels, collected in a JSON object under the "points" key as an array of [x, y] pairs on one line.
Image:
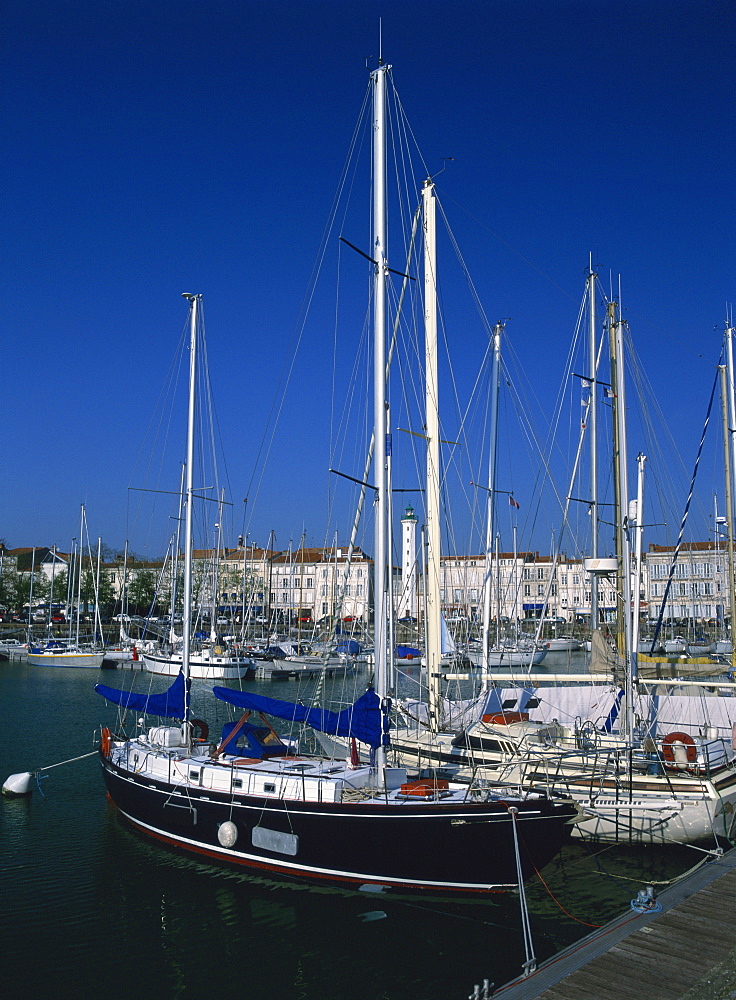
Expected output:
{"points": [[71, 659], [206, 665]]}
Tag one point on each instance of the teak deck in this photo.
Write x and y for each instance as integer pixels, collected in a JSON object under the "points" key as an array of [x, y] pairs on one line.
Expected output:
{"points": [[660, 956]]}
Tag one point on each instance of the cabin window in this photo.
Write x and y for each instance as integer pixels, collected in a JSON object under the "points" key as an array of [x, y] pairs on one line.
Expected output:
{"points": [[237, 782], [269, 787], [194, 775]]}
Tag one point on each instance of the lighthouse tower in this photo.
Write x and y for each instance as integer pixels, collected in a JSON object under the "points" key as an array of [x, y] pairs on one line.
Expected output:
{"points": [[408, 600]]}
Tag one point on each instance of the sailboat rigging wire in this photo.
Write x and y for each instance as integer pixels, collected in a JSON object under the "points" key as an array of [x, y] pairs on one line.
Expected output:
{"points": [[267, 440], [684, 519]]}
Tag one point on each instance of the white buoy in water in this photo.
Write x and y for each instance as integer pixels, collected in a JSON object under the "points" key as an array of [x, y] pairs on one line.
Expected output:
{"points": [[18, 784]]}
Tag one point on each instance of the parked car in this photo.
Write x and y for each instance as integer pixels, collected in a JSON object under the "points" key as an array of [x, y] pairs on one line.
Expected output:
{"points": [[406, 620]]}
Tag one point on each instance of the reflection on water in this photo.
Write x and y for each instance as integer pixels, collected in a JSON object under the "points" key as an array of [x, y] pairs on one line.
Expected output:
{"points": [[90, 906]]}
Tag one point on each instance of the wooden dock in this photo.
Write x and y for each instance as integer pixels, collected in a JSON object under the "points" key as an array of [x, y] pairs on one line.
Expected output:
{"points": [[661, 955]]}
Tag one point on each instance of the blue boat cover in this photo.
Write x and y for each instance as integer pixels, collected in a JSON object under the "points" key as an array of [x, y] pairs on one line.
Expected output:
{"points": [[169, 704], [349, 646], [364, 720], [404, 652]]}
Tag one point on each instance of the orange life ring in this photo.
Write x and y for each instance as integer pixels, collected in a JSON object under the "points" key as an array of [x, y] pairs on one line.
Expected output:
{"points": [[668, 750], [106, 742], [505, 718], [202, 730]]}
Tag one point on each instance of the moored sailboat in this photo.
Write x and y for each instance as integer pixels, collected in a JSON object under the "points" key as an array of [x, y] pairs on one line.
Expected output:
{"points": [[648, 761], [250, 798]]}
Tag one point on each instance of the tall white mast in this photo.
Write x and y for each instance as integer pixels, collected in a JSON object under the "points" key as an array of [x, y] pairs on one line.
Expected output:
{"points": [[433, 631], [592, 418], [623, 546], [728, 471], [493, 434], [637, 516], [379, 253], [79, 571], [728, 335], [194, 301]]}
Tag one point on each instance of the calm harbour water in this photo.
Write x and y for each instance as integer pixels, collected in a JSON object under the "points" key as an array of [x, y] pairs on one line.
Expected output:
{"points": [[91, 907]]}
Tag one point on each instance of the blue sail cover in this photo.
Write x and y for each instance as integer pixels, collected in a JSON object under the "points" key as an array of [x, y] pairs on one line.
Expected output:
{"points": [[407, 652], [169, 704], [363, 720], [349, 646]]}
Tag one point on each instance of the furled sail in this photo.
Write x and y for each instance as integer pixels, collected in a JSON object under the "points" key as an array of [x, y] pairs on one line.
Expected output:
{"points": [[169, 704]]}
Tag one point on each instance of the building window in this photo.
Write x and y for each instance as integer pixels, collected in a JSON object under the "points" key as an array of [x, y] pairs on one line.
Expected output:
{"points": [[527, 590]]}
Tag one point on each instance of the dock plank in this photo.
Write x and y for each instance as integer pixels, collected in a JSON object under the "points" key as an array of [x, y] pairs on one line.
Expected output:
{"points": [[658, 955]]}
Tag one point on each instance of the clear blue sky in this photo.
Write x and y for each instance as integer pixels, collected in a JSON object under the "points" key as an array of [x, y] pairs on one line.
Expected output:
{"points": [[157, 147]]}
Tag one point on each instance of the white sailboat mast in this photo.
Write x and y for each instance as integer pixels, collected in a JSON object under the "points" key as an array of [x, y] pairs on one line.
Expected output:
{"points": [[729, 334], [379, 253], [728, 471], [623, 545], [79, 571], [433, 629], [592, 417], [638, 520], [194, 301], [490, 515]]}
